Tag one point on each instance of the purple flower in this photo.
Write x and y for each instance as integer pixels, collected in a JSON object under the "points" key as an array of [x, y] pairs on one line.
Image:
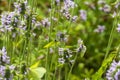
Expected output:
{"points": [[21, 7], [2, 70], [8, 21], [67, 15], [22, 25], [11, 67], [100, 29], [101, 2], [83, 15], [117, 75], [61, 60], [4, 57], [114, 14], [117, 5], [54, 19], [61, 36], [81, 47], [118, 28], [106, 8], [58, 2], [33, 20], [45, 22], [61, 51], [74, 18], [69, 4], [38, 24], [17, 7], [113, 72]]}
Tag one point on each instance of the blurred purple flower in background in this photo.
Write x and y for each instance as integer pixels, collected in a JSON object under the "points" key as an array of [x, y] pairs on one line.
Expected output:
{"points": [[69, 4], [117, 5], [114, 14], [65, 9], [118, 28], [106, 8], [100, 29], [58, 2], [101, 2], [83, 15], [74, 18]]}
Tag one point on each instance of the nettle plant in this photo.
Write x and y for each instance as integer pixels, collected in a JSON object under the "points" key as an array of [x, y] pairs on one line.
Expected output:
{"points": [[28, 40], [18, 28], [110, 68]]}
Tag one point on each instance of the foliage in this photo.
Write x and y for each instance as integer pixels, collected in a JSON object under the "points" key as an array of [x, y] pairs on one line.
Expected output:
{"points": [[59, 39]]}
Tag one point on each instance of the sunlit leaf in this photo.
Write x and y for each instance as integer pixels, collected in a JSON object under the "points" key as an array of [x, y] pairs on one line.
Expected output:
{"points": [[69, 46], [52, 43], [104, 66], [49, 44], [79, 27]]}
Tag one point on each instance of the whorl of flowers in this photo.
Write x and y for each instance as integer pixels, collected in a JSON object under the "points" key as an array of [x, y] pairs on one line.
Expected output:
{"points": [[68, 56], [3, 56], [113, 73], [65, 56], [45, 22], [103, 6], [21, 7], [5, 67], [8, 20], [106, 8], [21, 19], [69, 4], [65, 10], [11, 20], [81, 46]]}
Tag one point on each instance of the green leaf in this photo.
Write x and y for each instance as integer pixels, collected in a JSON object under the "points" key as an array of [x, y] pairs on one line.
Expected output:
{"points": [[104, 66], [17, 43], [69, 46], [37, 73], [74, 77], [52, 43], [79, 27], [49, 44]]}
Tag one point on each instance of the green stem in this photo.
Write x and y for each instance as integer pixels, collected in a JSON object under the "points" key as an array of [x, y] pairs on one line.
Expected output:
{"points": [[59, 76], [9, 4], [48, 50], [72, 66], [111, 37]]}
